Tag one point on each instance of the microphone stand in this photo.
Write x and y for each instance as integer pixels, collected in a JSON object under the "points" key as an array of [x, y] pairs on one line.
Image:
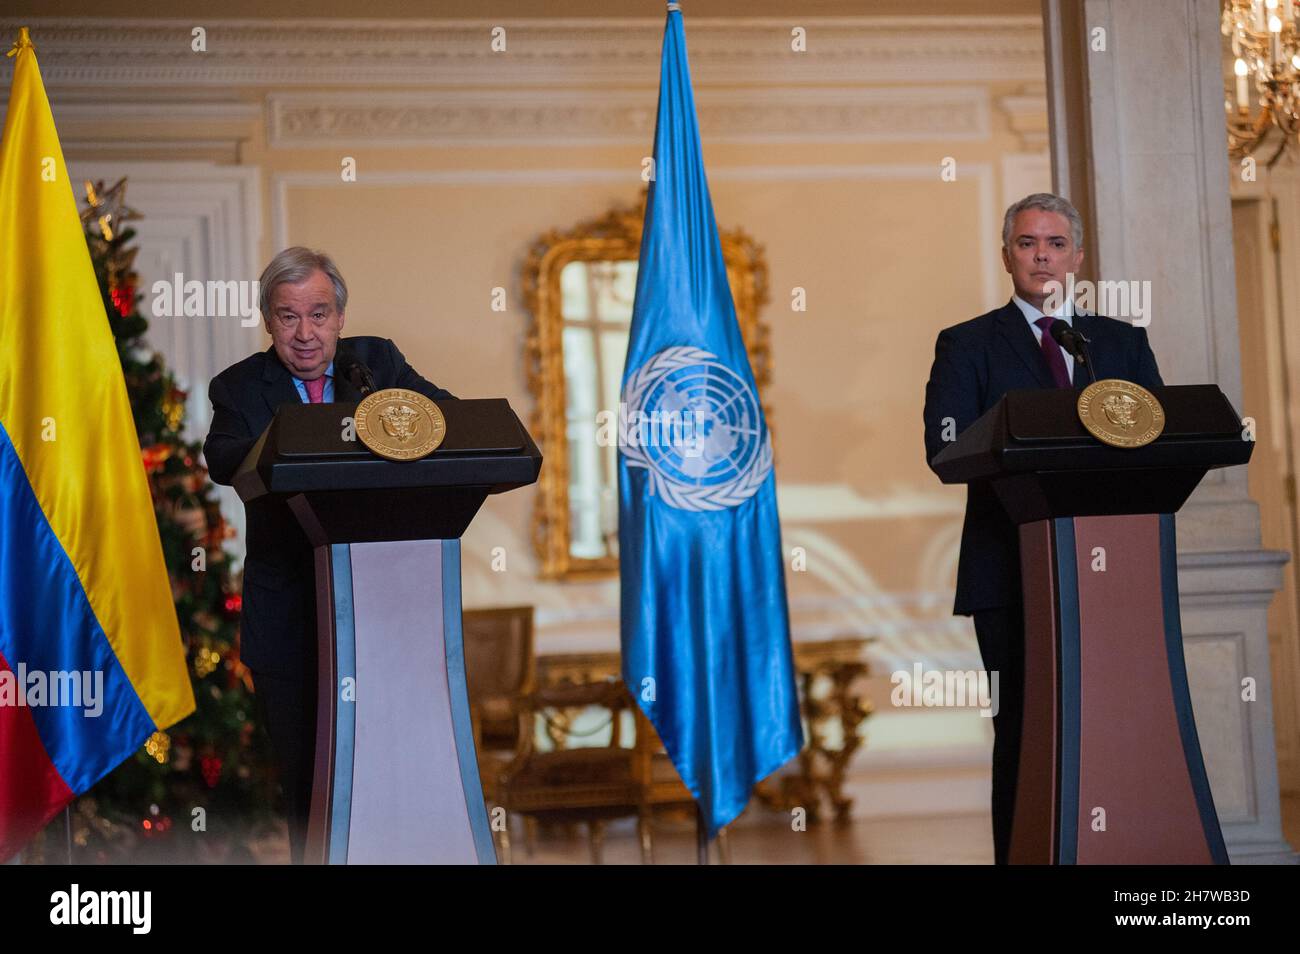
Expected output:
{"points": [[1068, 337], [357, 373], [1084, 355], [367, 384]]}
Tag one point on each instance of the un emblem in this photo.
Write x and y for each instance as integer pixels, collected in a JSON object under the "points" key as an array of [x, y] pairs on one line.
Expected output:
{"points": [[696, 426]]}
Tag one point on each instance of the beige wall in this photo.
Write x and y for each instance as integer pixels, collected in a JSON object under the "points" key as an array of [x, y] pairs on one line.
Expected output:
{"points": [[887, 251], [832, 163]]}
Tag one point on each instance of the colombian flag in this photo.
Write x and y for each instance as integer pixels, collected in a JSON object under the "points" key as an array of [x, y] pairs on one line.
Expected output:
{"points": [[83, 586]]}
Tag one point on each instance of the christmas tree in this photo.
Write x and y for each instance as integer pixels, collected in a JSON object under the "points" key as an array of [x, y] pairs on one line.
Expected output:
{"points": [[203, 790]]}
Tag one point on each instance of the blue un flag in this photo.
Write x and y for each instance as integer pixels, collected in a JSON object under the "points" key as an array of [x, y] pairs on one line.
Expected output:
{"points": [[705, 625]]}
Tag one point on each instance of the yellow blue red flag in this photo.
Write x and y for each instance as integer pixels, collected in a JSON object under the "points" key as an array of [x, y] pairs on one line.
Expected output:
{"points": [[91, 660]]}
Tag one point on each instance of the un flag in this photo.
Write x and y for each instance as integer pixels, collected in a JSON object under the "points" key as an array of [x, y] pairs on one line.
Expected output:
{"points": [[705, 624]]}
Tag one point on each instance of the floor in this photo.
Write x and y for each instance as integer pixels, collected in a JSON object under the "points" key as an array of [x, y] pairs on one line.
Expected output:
{"points": [[920, 790], [767, 839]]}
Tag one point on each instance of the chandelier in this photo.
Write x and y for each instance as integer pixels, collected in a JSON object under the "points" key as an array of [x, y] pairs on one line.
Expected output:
{"points": [[1266, 54]]}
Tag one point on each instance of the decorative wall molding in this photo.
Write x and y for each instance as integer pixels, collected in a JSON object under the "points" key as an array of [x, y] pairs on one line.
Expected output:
{"points": [[840, 50], [88, 111], [123, 128], [578, 117], [1027, 113], [204, 221], [143, 149]]}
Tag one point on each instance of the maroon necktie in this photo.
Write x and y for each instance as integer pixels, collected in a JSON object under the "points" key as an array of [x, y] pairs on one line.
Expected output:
{"points": [[316, 387], [1051, 353]]}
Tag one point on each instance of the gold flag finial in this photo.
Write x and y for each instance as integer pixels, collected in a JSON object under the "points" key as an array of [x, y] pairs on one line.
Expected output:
{"points": [[23, 42]]}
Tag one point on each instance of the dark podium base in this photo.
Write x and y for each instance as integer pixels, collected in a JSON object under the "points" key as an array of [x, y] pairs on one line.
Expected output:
{"points": [[1110, 765]]}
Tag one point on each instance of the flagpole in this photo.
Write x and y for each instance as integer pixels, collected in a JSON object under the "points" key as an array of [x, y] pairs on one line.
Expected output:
{"points": [[701, 837], [67, 828]]}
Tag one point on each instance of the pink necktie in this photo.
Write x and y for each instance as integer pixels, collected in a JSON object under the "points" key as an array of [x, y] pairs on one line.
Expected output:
{"points": [[316, 388], [1051, 352]]}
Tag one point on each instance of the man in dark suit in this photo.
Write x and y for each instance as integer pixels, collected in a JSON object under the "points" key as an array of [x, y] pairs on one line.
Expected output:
{"points": [[302, 298], [975, 363]]}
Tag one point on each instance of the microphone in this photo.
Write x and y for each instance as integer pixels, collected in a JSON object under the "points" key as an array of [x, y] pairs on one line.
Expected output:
{"points": [[356, 372], [1074, 342]]}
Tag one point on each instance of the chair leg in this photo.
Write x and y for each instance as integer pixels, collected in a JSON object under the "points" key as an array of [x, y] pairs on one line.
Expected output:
{"points": [[701, 842], [596, 837], [645, 830], [724, 846], [530, 835]]}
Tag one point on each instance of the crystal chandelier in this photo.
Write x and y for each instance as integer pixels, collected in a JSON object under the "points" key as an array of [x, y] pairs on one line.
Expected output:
{"points": [[1266, 54]]}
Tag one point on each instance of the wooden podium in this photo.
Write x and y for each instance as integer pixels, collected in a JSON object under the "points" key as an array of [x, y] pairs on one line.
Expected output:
{"points": [[396, 777], [1110, 765]]}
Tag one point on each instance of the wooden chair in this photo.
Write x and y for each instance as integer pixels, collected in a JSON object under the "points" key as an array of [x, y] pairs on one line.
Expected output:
{"points": [[591, 785], [587, 785]]}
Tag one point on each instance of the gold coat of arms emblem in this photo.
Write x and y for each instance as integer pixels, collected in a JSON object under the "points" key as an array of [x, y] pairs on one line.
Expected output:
{"points": [[399, 424], [1120, 413]]}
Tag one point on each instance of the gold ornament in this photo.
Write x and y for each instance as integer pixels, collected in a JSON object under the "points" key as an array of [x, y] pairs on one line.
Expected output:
{"points": [[173, 409], [206, 661], [158, 746], [107, 209]]}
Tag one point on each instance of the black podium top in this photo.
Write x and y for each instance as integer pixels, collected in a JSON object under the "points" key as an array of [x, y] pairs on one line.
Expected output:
{"points": [[304, 448], [341, 491], [1034, 450]]}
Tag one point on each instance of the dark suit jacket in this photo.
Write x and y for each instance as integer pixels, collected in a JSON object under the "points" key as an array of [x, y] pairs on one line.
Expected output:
{"points": [[975, 363], [277, 625]]}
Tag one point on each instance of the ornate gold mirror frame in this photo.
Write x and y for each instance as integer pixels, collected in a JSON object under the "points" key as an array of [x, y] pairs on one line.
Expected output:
{"points": [[613, 238]]}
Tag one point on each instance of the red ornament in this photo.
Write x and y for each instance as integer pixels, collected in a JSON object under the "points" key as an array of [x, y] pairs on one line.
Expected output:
{"points": [[210, 766], [157, 825], [155, 456], [124, 299], [234, 604]]}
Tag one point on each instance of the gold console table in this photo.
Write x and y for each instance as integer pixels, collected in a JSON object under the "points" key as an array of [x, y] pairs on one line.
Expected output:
{"points": [[832, 698]]}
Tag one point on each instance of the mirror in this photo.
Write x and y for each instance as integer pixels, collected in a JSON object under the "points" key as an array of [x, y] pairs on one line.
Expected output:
{"points": [[579, 286]]}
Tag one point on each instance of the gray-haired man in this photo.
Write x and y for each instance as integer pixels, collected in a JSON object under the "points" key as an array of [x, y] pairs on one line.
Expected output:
{"points": [[303, 302], [975, 363]]}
